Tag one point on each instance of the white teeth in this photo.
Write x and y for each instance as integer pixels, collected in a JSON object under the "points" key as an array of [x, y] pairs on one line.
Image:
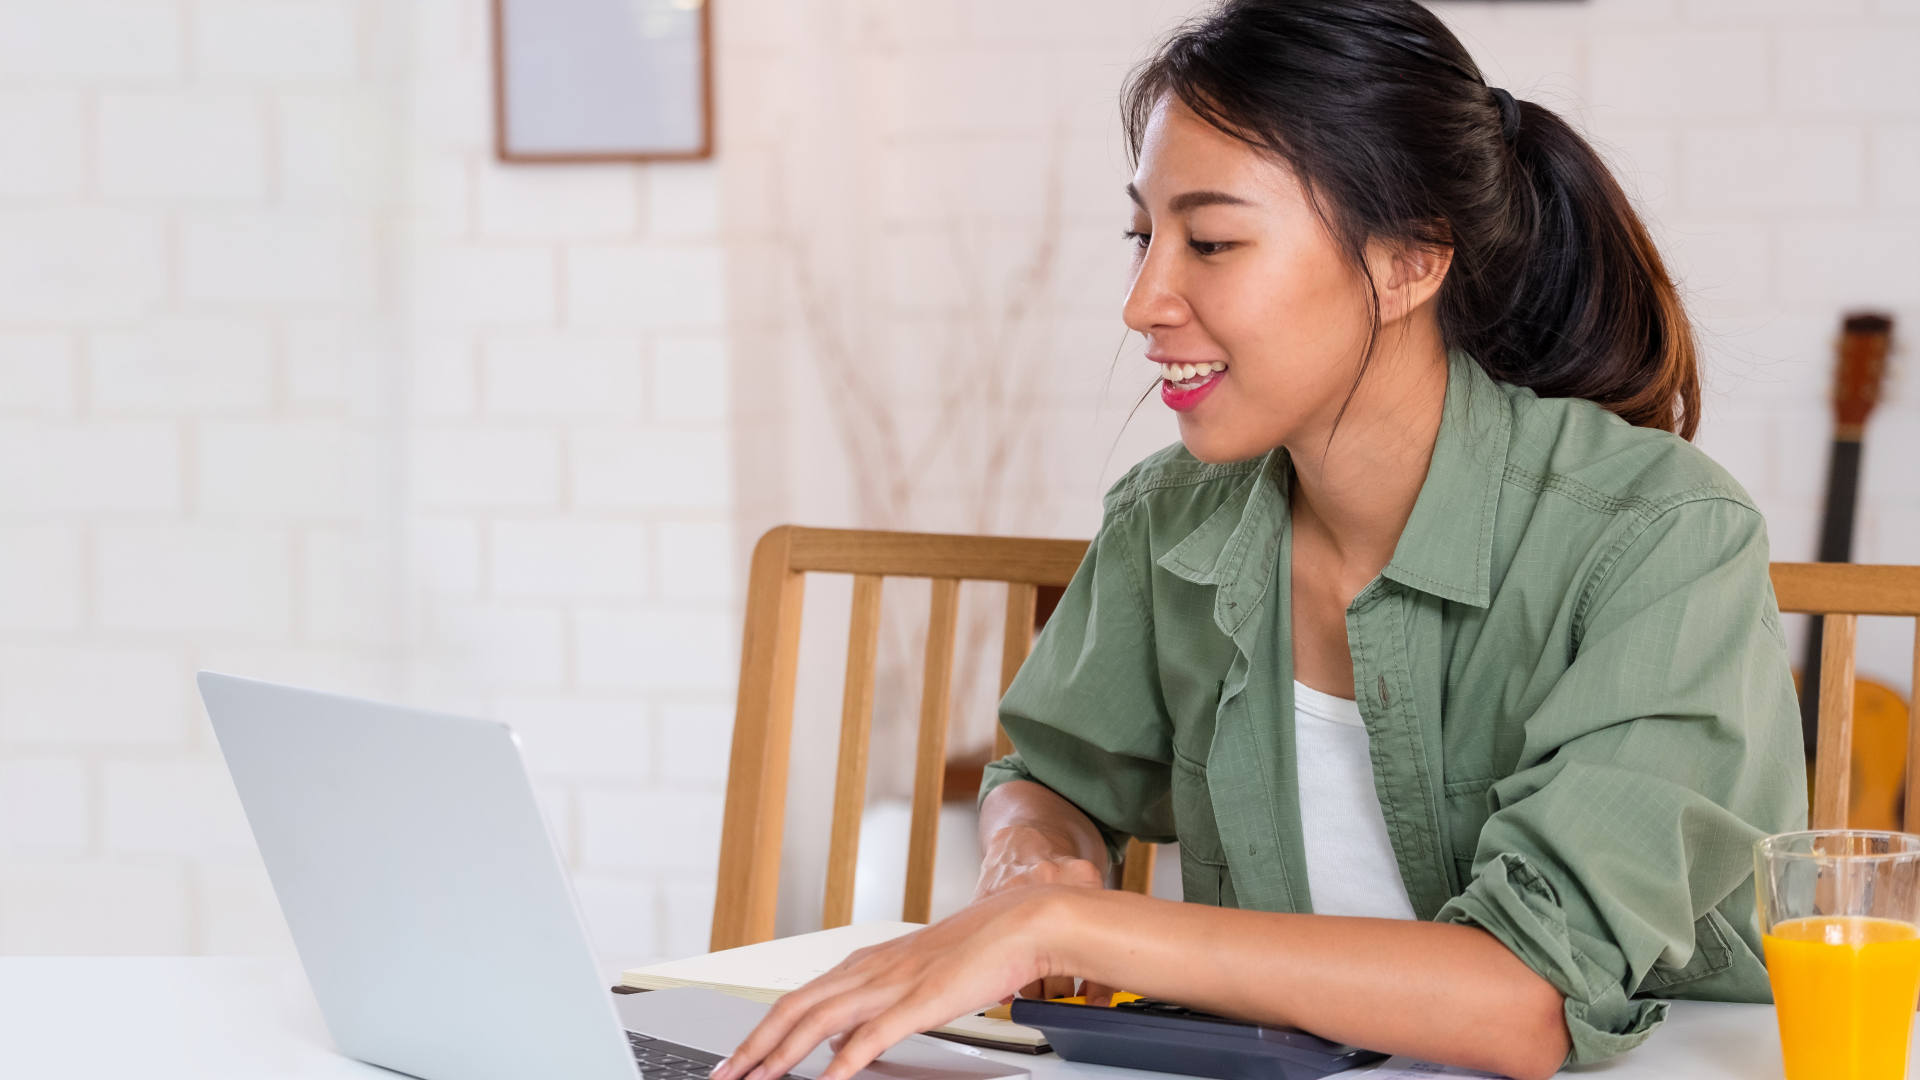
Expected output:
{"points": [[1189, 371], [1179, 373]]}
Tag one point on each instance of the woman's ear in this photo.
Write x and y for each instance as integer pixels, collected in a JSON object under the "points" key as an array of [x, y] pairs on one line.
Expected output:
{"points": [[1407, 275]]}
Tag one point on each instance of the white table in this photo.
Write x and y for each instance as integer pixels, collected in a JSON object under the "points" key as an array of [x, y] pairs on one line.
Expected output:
{"points": [[213, 1019]]}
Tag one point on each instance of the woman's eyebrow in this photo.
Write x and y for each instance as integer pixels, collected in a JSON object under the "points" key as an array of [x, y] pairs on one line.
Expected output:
{"points": [[1190, 200]]}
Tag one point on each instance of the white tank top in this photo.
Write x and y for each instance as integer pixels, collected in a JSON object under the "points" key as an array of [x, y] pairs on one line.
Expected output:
{"points": [[1350, 865]]}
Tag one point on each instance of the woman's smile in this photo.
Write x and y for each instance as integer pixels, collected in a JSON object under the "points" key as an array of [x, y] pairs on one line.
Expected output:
{"points": [[1184, 384]]}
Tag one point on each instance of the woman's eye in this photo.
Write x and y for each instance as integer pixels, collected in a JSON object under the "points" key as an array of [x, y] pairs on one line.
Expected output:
{"points": [[1208, 247], [1139, 240]]}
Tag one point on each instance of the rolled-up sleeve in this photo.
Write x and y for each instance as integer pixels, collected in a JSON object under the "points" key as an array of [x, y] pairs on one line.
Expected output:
{"points": [[1617, 859], [1085, 714]]}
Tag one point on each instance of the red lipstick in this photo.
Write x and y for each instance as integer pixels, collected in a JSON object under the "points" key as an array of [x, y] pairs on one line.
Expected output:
{"points": [[1186, 396]]}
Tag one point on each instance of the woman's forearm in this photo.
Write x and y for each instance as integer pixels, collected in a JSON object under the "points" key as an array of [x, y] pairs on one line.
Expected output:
{"points": [[1434, 991], [1450, 994], [1022, 820]]}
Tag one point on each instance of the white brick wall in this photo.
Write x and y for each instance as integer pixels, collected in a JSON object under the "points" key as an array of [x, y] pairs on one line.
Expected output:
{"points": [[296, 381], [83, 696], [554, 480], [43, 806], [188, 147], [173, 459], [72, 264], [41, 148], [172, 366]]}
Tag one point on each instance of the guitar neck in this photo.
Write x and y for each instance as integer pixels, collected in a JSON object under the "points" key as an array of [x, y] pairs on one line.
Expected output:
{"points": [[1864, 341], [1836, 545], [1843, 490]]}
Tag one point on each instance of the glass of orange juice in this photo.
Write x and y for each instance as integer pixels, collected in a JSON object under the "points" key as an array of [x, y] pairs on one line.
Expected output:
{"points": [[1840, 919]]}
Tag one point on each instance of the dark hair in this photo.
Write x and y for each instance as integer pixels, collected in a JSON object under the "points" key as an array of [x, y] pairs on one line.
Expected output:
{"points": [[1555, 284]]}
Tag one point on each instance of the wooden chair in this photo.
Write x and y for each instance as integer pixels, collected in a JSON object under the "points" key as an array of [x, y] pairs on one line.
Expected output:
{"points": [[755, 813], [1841, 592]]}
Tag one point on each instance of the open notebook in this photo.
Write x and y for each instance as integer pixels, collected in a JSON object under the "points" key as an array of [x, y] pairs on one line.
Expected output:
{"points": [[765, 971]]}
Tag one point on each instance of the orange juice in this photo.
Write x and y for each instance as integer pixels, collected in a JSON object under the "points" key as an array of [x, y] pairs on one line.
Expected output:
{"points": [[1844, 989]]}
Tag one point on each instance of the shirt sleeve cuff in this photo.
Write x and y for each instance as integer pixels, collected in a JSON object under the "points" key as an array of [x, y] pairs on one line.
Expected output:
{"points": [[1512, 901], [1007, 769]]}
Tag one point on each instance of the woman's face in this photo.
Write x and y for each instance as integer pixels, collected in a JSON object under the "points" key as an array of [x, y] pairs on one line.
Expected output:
{"points": [[1255, 315]]}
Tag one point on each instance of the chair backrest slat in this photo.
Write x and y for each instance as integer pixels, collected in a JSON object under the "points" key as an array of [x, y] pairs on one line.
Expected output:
{"points": [[1832, 773], [930, 758], [756, 804], [1841, 592], [1015, 643], [1912, 804], [856, 729]]}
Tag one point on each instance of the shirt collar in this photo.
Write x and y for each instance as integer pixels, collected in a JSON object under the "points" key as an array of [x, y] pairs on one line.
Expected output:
{"points": [[1238, 544], [1446, 548]]}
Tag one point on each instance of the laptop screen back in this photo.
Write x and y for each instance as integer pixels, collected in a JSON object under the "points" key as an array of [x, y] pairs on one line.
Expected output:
{"points": [[430, 909]]}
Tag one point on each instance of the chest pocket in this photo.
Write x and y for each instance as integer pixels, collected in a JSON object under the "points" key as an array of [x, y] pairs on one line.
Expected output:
{"points": [[1203, 862], [1467, 812], [1204, 877]]}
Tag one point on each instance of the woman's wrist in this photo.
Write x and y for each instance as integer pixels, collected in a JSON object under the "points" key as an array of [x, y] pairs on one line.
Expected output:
{"points": [[1053, 924]]}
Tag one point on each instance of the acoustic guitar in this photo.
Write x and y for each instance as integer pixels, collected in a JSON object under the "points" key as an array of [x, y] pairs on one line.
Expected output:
{"points": [[1879, 716]]}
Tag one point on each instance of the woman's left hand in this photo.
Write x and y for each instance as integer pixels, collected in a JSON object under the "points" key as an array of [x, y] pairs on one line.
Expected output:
{"points": [[884, 993]]}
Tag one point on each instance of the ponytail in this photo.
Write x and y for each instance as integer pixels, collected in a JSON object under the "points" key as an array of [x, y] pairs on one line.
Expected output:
{"points": [[1555, 284]]}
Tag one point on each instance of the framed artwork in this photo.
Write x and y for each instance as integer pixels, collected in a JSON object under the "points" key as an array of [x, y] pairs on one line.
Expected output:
{"points": [[602, 80]]}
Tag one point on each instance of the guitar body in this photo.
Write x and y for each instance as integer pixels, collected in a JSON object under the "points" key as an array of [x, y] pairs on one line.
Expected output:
{"points": [[1879, 758], [1877, 799]]}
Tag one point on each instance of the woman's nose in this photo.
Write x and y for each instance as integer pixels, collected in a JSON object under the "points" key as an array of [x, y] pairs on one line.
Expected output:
{"points": [[1153, 300]]}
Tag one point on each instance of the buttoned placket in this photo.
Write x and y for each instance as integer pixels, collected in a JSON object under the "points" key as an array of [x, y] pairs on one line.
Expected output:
{"points": [[1251, 778], [1404, 746]]}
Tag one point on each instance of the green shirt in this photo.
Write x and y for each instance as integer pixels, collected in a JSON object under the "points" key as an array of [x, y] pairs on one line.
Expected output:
{"points": [[1575, 688]]}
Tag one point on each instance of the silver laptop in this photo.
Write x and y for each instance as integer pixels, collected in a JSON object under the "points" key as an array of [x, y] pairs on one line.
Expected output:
{"points": [[435, 919]]}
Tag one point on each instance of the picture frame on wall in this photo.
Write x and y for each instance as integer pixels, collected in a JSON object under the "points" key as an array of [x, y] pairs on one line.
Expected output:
{"points": [[602, 80]]}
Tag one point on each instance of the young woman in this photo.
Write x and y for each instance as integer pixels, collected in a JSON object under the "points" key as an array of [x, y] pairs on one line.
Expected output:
{"points": [[1451, 665]]}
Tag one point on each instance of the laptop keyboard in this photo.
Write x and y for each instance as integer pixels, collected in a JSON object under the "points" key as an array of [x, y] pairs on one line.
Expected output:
{"points": [[666, 1061], [662, 1060]]}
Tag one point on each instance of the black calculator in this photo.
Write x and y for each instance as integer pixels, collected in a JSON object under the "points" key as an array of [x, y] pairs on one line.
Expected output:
{"points": [[1164, 1037]]}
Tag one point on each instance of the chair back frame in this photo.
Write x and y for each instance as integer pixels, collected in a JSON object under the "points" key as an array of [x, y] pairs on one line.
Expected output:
{"points": [[763, 727], [1840, 593], [755, 809]]}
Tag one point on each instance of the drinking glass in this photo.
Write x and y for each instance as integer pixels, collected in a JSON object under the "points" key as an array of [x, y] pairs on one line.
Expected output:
{"points": [[1840, 919]]}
